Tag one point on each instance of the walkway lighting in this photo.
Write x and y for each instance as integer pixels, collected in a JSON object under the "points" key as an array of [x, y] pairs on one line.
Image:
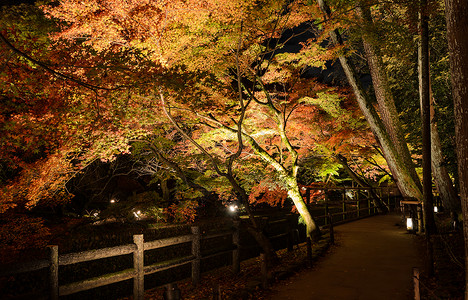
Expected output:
{"points": [[409, 224], [233, 208], [436, 209]]}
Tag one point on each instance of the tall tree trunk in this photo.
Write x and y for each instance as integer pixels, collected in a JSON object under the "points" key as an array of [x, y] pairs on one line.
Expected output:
{"points": [[456, 12], [405, 182], [387, 108], [425, 104], [313, 231]]}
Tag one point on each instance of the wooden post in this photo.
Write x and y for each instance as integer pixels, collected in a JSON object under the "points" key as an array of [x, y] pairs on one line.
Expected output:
{"points": [[139, 265], [332, 232], [309, 251], [53, 272], [236, 251], [216, 292], [264, 270], [344, 204], [197, 254], [326, 206], [369, 202], [289, 232], [417, 295], [420, 220], [358, 203]]}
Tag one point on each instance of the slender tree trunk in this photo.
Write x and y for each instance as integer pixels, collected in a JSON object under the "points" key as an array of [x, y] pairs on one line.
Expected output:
{"points": [[456, 12], [425, 104], [313, 231], [405, 182]]}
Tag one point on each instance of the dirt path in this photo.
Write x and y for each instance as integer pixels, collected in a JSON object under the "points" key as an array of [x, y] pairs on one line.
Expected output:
{"points": [[372, 260]]}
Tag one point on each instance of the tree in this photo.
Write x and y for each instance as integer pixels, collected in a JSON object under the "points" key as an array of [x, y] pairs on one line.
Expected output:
{"points": [[386, 124], [457, 26]]}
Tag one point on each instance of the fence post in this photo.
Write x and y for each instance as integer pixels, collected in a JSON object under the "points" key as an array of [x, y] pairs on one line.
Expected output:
{"points": [[138, 265], [309, 251], [53, 272], [264, 270], [358, 203], [420, 219], [332, 232], [197, 254], [369, 201], [344, 204], [289, 228], [236, 251], [417, 295], [326, 207]]}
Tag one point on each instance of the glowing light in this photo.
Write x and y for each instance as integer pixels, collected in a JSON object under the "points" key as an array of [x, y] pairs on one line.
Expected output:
{"points": [[436, 209], [233, 208], [112, 201], [409, 223]]}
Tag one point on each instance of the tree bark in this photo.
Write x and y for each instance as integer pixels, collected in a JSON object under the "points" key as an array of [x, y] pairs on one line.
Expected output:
{"points": [[425, 104], [387, 108], [405, 182], [447, 192], [456, 12]]}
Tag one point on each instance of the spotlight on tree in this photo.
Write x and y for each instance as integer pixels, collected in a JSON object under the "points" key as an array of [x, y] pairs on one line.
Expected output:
{"points": [[233, 208]]}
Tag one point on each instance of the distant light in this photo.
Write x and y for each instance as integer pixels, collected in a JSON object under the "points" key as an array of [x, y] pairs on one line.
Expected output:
{"points": [[233, 208], [138, 212], [136, 215], [436, 209], [95, 214], [304, 188], [112, 201], [409, 223]]}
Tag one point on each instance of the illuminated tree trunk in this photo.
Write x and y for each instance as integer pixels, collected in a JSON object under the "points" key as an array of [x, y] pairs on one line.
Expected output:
{"points": [[387, 109], [313, 231], [456, 12], [400, 171]]}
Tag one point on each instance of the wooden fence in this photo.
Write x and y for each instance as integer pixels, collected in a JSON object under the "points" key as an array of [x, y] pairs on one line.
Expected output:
{"points": [[139, 246]]}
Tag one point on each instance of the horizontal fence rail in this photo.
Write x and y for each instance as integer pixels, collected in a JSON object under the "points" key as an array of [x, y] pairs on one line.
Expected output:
{"points": [[138, 248]]}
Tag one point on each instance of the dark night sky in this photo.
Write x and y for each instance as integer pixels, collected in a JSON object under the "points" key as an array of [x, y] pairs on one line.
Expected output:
{"points": [[11, 2]]}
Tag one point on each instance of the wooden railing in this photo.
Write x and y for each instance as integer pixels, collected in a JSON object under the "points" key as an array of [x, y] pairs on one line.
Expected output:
{"points": [[138, 248]]}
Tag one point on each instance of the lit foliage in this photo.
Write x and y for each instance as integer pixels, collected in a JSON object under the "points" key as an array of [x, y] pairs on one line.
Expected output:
{"points": [[121, 54]]}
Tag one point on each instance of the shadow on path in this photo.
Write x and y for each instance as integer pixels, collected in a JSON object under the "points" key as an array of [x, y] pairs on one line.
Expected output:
{"points": [[372, 260]]}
